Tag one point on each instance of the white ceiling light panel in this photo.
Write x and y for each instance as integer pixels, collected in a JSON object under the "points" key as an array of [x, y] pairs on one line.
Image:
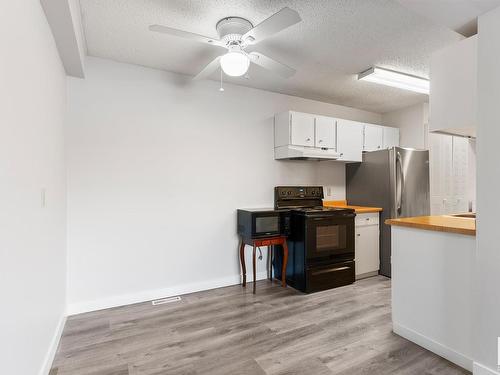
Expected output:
{"points": [[395, 79]]}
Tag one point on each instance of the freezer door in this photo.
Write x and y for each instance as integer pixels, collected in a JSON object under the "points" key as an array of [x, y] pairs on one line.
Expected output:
{"points": [[409, 182]]}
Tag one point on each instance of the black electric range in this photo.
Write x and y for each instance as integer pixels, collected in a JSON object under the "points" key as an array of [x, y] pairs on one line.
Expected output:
{"points": [[321, 240]]}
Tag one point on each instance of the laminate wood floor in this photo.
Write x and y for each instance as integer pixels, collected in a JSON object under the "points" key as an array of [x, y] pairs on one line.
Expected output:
{"points": [[230, 331]]}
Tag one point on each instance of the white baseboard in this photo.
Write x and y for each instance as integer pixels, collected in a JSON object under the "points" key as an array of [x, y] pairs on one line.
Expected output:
{"points": [[49, 358], [451, 355], [148, 295], [479, 369], [366, 275]]}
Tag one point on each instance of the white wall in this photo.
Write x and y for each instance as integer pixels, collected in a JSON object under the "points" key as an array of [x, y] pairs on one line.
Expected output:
{"points": [[32, 239], [412, 123], [157, 167], [487, 303]]}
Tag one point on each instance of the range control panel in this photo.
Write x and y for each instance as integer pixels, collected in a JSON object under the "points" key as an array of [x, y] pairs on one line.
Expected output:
{"points": [[298, 196], [299, 192]]}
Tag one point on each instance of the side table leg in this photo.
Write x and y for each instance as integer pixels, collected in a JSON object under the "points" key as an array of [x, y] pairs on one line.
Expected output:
{"points": [[271, 262], [242, 260], [254, 269], [285, 260]]}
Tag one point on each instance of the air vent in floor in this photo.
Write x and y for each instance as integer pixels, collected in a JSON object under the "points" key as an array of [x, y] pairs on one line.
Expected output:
{"points": [[162, 301]]}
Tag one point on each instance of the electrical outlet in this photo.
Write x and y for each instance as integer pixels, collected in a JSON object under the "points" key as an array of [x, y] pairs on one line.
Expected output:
{"points": [[328, 192]]}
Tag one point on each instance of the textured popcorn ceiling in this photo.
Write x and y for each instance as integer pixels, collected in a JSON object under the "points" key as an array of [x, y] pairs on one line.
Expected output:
{"points": [[336, 40]]}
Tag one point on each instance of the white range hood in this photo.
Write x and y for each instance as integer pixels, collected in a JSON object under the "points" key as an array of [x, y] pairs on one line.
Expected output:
{"points": [[304, 153]]}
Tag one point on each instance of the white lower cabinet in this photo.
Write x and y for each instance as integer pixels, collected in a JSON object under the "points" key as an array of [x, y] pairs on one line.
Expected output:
{"points": [[367, 245]]}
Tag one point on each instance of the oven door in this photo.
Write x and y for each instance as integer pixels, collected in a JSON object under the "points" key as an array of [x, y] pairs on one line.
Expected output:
{"points": [[330, 236]]}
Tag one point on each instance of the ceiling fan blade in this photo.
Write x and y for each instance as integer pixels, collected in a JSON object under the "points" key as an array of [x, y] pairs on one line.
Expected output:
{"points": [[271, 65], [208, 70], [185, 35], [286, 17]]}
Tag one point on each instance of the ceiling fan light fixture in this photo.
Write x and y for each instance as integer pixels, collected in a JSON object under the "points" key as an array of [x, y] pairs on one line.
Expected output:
{"points": [[236, 34], [395, 79], [235, 63]]}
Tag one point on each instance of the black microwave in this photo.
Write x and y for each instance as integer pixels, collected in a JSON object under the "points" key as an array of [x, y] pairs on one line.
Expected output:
{"points": [[262, 222]]}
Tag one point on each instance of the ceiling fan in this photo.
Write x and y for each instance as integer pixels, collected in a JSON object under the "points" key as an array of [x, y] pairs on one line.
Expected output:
{"points": [[236, 34]]}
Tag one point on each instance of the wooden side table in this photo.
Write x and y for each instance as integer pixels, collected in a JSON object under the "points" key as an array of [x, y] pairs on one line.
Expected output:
{"points": [[258, 242]]}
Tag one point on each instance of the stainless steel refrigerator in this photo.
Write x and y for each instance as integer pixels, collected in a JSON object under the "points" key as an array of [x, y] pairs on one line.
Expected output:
{"points": [[397, 180]]}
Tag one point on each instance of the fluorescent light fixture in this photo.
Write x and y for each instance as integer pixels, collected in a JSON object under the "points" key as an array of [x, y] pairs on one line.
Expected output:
{"points": [[395, 79]]}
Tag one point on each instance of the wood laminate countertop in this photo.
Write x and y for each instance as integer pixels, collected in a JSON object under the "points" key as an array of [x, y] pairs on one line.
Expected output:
{"points": [[358, 209], [441, 223]]}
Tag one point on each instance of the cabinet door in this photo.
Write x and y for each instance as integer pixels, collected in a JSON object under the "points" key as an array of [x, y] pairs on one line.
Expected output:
{"points": [[453, 81], [367, 249], [391, 137], [373, 137], [302, 129], [460, 167], [441, 167], [325, 129], [349, 140]]}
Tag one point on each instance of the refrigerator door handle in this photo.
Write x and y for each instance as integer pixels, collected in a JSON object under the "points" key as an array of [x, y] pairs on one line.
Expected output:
{"points": [[400, 182]]}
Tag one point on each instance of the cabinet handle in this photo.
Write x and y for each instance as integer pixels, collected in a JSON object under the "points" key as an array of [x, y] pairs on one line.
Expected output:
{"points": [[359, 235], [308, 139], [320, 141]]}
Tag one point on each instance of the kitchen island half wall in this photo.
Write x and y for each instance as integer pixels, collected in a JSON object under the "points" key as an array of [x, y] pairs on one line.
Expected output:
{"points": [[432, 266]]}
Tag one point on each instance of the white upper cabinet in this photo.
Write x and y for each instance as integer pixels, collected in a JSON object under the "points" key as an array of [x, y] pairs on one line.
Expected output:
{"points": [[350, 140], [453, 94], [302, 129], [373, 137], [325, 132], [390, 137], [299, 135], [378, 137]]}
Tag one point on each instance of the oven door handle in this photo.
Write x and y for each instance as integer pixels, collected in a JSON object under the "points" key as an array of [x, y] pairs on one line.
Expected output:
{"points": [[331, 218], [330, 270]]}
